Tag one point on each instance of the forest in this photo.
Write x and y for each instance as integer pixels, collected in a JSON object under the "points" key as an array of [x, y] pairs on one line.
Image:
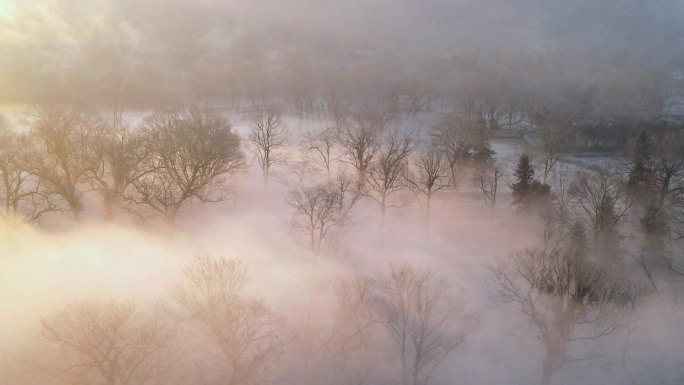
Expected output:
{"points": [[413, 193]]}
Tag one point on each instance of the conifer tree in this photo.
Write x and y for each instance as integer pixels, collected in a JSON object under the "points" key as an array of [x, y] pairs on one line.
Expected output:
{"points": [[526, 190], [524, 175]]}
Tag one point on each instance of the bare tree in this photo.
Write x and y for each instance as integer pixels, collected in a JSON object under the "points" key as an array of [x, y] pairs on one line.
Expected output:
{"points": [[316, 210], [488, 179], [514, 105], [322, 144], [189, 155], [267, 135], [62, 134], [602, 197], [461, 139], [353, 329], [425, 322], [562, 190], [669, 177], [389, 170], [350, 193], [429, 175], [668, 159], [319, 208], [481, 94], [560, 215], [555, 137], [108, 342], [23, 194], [360, 139], [339, 111], [302, 170], [446, 134], [246, 332], [659, 193], [343, 348], [558, 289], [120, 152]]}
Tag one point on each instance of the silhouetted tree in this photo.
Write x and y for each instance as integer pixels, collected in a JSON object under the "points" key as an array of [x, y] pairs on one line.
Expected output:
{"points": [[63, 156], [343, 346], [668, 164], [526, 190], [662, 205], [388, 171], [189, 155], [247, 333], [602, 197], [120, 152], [558, 289], [463, 140], [267, 135], [23, 195], [322, 207], [315, 211], [360, 139], [556, 138], [429, 175], [322, 144], [480, 94], [354, 328], [108, 342], [425, 322], [488, 179]]}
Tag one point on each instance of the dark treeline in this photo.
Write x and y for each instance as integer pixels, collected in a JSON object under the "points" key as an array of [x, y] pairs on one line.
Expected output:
{"points": [[552, 61]]}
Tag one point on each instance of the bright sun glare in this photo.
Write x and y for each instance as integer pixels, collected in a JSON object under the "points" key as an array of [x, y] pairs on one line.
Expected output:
{"points": [[6, 8]]}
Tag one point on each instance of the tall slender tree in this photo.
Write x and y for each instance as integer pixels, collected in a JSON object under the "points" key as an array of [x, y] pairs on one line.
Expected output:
{"points": [[641, 171]]}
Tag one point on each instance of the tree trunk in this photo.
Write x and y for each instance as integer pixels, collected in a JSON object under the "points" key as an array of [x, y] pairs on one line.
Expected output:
{"points": [[75, 206], [319, 241], [416, 365], [109, 204], [383, 209], [428, 212], [547, 373]]}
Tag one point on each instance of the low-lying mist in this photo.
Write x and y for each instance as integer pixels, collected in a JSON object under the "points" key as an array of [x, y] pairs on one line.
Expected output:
{"points": [[345, 193], [128, 257]]}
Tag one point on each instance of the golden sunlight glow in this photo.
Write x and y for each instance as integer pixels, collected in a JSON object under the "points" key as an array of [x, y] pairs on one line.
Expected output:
{"points": [[85, 263], [7, 8], [111, 260]]}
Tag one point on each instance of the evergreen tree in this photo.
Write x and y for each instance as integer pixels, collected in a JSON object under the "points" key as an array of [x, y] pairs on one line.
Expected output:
{"points": [[483, 154], [524, 175], [526, 190]]}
